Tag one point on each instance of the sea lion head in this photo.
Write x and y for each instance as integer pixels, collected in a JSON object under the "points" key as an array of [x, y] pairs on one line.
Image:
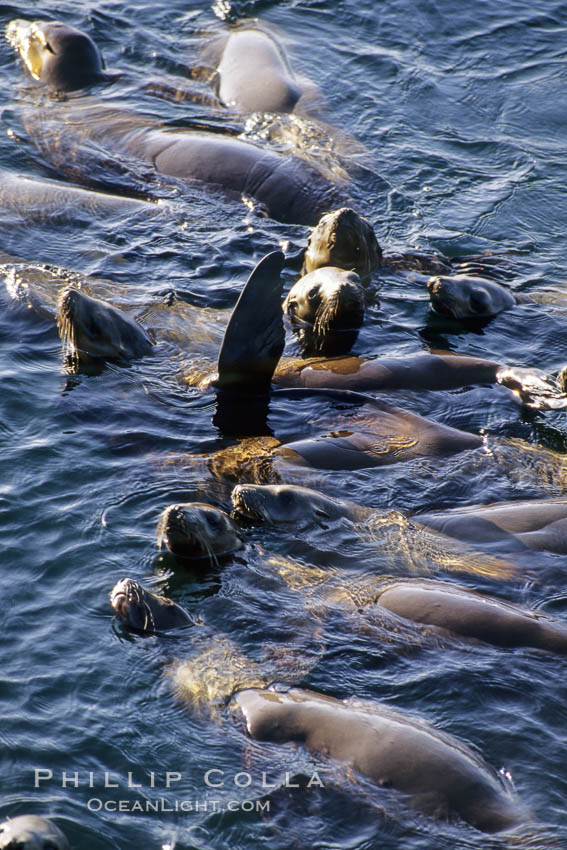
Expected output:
{"points": [[275, 503], [343, 239], [144, 611], [329, 299], [198, 531], [466, 297], [56, 54], [29, 832], [93, 328]]}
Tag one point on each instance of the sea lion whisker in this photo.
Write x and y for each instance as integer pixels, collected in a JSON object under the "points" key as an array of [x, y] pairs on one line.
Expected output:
{"points": [[212, 556], [149, 617]]}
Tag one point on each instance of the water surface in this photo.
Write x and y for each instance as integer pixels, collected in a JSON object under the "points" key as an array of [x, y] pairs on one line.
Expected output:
{"points": [[461, 111]]}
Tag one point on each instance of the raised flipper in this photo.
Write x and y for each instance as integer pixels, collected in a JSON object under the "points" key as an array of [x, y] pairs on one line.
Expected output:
{"points": [[254, 339]]}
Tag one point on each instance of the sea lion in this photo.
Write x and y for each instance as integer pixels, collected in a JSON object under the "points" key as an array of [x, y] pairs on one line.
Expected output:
{"points": [[289, 188], [57, 54], [330, 302], [538, 524], [90, 327], [466, 297], [144, 611], [343, 239], [281, 503], [394, 750], [254, 73], [198, 531], [30, 832]]}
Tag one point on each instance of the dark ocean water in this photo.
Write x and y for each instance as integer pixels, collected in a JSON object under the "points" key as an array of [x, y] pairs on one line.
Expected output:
{"points": [[459, 116]]}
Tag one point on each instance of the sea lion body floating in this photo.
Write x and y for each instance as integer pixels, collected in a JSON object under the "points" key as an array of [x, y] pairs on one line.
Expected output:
{"points": [[30, 832], [289, 188], [39, 198], [394, 750], [537, 524]]}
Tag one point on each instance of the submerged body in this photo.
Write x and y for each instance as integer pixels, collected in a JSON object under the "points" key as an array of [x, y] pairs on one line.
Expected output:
{"points": [[32, 197], [539, 524], [392, 749]]}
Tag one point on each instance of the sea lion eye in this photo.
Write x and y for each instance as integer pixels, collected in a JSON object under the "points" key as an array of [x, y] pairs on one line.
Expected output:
{"points": [[47, 46], [479, 300], [313, 292]]}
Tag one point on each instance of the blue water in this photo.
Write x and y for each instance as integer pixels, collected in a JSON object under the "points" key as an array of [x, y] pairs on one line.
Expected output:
{"points": [[461, 109]]}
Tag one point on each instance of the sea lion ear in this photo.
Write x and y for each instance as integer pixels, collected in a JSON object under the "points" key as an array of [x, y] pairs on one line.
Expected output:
{"points": [[254, 339]]}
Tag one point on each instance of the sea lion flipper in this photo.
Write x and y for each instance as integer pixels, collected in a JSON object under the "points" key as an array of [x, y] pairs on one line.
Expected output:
{"points": [[535, 388], [255, 337]]}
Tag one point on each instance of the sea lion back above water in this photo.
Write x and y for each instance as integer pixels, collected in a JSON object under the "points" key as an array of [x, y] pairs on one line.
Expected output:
{"points": [[254, 73], [392, 749]]}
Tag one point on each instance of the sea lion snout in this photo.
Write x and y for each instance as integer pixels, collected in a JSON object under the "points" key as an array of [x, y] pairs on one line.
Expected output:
{"points": [[68, 301], [120, 593], [247, 507]]}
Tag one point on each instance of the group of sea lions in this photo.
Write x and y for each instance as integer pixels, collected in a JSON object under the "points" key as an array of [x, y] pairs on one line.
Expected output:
{"points": [[441, 776]]}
